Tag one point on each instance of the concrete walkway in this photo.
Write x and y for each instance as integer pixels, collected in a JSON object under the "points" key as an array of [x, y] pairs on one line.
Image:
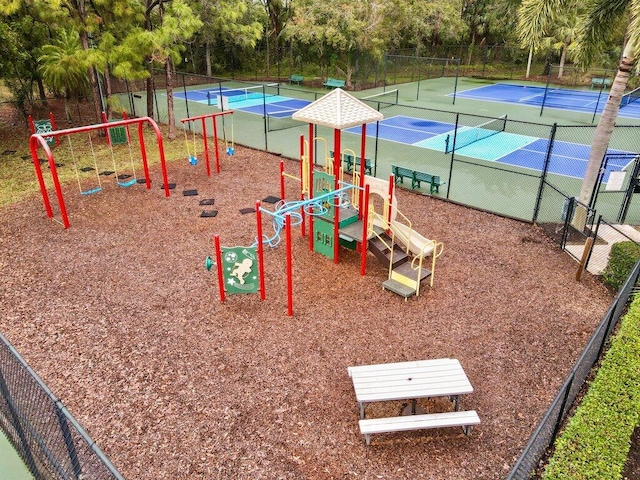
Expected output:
{"points": [[600, 255]]}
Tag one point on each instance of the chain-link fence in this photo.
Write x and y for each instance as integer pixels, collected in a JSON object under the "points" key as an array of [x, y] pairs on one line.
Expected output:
{"points": [[528, 174], [546, 431], [46, 436]]}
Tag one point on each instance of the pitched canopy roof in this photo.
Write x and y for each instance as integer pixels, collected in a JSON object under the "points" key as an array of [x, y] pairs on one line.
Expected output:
{"points": [[337, 109]]}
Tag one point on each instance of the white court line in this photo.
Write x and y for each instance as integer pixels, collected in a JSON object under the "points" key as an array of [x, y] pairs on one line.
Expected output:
{"points": [[531, 97]]}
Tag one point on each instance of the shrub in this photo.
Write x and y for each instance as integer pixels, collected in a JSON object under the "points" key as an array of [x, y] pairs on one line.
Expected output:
{"points": [[622, 258], [595, 443]]}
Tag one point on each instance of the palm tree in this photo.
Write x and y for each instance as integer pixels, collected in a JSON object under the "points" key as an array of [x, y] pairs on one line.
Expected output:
{"points": [[64, 67], [593, 33]]}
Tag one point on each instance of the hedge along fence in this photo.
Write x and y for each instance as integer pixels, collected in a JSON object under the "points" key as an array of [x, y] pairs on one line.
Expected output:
{"points": [[595, 443], [622, 258]]}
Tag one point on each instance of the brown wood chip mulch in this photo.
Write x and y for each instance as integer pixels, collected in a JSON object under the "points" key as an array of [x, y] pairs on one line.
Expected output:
{"points": [[120, 318]]}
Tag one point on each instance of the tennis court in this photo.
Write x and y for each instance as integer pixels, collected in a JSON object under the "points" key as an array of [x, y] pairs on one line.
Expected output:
{"points": [[587, 101], [258, 99], [491, 143]]}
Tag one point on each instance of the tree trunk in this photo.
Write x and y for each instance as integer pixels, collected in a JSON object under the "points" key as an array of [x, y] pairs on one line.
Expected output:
{"points": [[529, 62], [207, 57], [107, 87], [95, 88], [267, 44], [604, 130], [602, 136], [170, 113], [41, 91], [563, 57], [150, 92]]}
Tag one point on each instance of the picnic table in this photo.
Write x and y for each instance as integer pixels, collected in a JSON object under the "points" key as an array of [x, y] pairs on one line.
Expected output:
{"points": [[443, 377]]}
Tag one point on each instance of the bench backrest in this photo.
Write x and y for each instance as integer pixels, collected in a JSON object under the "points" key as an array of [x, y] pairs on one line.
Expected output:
{"points": [[334, 82], [407, 172]]}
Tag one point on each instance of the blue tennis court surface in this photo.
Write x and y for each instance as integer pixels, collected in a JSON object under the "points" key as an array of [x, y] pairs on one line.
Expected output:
{"points": [[586, 101], [250, 99], [567, 158]]}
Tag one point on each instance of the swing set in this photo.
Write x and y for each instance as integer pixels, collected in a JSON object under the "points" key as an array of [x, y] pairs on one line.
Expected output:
{"points": [[41, 140], [229, 147]]}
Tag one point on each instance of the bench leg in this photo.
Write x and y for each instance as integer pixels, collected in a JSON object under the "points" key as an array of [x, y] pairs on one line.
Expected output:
{"points": [[466, 429], [361, 405], [367, 439]]}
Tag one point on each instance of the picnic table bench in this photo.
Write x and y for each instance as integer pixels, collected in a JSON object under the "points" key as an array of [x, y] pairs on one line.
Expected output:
{"points": [[297, 79], [600, 82], [334, 83], [443, 377], [417, 177]]}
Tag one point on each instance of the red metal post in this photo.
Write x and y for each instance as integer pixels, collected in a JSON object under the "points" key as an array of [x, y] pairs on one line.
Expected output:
{"points": [[206, 145], [311, 163], [261, 282], [282, 179], [391, 187], [32, 126], [365, 231], [33, 145], [216, 241], [363, 143], [126, 117], [336, 199], [287, 223], [302, 185], [54, 127], [143, 155], [215, 143], [106, 129]]}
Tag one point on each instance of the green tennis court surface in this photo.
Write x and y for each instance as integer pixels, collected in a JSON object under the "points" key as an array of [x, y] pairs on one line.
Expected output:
{"points": [[11, 465]]}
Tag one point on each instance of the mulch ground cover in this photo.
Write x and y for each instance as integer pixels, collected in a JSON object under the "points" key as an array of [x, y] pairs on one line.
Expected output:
{"points": [[122, 321]]}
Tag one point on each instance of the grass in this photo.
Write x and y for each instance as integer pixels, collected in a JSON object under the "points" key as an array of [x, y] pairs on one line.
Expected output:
{"points": [[595, 443]]}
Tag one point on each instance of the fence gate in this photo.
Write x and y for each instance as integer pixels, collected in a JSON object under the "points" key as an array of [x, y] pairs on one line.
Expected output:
{"points": [[578, 226], [616, 188]]}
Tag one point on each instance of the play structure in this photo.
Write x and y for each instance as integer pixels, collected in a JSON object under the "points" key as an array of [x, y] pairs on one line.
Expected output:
{"points": [[229, 142], [117, 132], [336, 213]]}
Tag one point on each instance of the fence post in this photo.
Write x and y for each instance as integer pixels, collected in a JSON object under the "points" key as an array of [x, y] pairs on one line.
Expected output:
{"points": [[595, 238], [546, 88], [556, 428], [452, 154], [543, 176]]}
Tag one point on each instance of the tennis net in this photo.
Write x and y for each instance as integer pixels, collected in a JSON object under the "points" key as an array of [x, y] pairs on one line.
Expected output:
{"points": [[467, 136], [281, 120], [630, 97], [224, 96], [382, 100]]}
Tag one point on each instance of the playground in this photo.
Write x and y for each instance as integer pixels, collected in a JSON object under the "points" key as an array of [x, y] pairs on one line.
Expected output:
{"points": [[119, 316]]}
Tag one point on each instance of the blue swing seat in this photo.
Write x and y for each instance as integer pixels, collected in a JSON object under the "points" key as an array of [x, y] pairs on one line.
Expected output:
{"points": [[129, 183], [91, 191]]}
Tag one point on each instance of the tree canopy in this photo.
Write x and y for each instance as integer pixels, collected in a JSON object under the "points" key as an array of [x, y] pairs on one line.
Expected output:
{"points": [[127, 39]]}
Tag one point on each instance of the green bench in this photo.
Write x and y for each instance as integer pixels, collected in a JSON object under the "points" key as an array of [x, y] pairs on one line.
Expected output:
{"points": [[434, 181], [348, 162], [334, 83], [297, 79], [600, 82]]}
